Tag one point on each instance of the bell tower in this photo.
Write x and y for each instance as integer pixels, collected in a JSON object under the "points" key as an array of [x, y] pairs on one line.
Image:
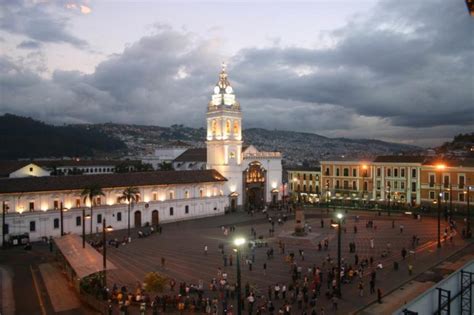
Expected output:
{"points": [[224, 134]]}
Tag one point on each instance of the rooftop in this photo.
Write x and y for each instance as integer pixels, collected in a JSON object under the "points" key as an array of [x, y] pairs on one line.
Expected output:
{"points": [[193, 155], [76, 182]]}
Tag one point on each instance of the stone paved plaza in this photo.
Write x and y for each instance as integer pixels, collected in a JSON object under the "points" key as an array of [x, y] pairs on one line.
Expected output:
{"points": [[182, 246]]}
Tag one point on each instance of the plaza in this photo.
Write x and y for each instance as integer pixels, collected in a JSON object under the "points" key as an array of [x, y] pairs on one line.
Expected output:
{"points": [[182, 246]]}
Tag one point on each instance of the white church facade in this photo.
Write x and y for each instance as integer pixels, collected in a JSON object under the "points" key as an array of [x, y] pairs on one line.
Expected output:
{"points": [[254, 178]]}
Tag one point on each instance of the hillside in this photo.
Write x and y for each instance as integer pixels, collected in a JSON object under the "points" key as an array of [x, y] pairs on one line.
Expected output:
{"points": [[297, 147], [28, 138]]}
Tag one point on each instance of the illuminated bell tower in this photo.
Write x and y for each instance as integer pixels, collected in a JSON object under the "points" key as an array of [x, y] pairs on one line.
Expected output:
{"points": [[224, 135]]}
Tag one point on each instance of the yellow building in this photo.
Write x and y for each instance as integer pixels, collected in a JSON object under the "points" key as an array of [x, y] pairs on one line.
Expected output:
{"points": [[304, 184]]}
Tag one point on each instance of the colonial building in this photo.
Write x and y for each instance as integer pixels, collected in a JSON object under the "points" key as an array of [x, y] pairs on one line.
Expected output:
{"points": [[452, 180], [32, 204], [254, 177], [304, 184]]}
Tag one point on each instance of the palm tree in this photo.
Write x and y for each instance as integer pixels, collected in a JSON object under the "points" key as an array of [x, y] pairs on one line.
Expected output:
{"points": [[130, 194], [89, 193]]}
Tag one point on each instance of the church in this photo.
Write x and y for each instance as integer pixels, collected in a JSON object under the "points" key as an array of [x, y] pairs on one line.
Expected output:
{"points": [[254, 178]]}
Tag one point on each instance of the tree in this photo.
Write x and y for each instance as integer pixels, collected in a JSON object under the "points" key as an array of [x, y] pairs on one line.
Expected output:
{"points": [[130, 194], [89, 193], [166, 166], [154, 282]]}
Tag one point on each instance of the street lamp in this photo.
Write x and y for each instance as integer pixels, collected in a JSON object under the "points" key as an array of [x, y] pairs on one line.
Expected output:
{"points": [[338, 279], [104, 246], [468, 228], [364, 175], [388, 197], [238, 242], [439, 168], [84, 217]]}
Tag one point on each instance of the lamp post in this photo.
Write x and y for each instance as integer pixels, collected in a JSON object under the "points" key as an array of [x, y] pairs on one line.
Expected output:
{"points": [[468, 229], [450, 199], [388, 197], [61, 218], [364, 176], [4, 210], [238, 242], [439, 168], [104, 252], [338, 276], [84, 217]]}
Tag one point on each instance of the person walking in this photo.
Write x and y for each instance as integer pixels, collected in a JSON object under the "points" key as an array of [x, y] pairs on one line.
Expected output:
{"points": [[372, 286], [361, 288], [404, 253], [264, 268], [379, 296]]}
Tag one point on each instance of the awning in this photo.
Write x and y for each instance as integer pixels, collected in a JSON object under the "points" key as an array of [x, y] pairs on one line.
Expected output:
{"points": [[84, 261]]}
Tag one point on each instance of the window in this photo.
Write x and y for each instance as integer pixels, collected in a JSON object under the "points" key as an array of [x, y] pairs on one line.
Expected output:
{"points": [[461, 181], [461, 197], [56, 204], [379, 173], [346, 172], [171, 211], [446, 196], [31, 169], [310, 176], [186, 194], [78, 202], [395, 172], [413, 187], [119, 216], [56, 223], [310, 188], [402, 172], [413, 172], [299, 187], [354, 185], [31, 206], [78, 221], [354, 172], [446, 181], [378, 185], [337, 184], [201, 193], [171, 195], [32, 226], [389, 172], [7, 206], [236, 127], [402, 185], [155, 196], [337, 172], [327, 171], [186, 209], [227, 126], [291, 186], [304, 188], [317, 189], [395, 185], [346, 184], [432, 195], [365, 186], [213, 126], [432, 180], [98, 201], [99, 218], [304, 176]]}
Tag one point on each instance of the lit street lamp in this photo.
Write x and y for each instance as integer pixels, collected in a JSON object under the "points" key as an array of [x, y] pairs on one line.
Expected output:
{"points": [[388, 197], [238, 242], [439, 168], [339, 216], [104, 246]]}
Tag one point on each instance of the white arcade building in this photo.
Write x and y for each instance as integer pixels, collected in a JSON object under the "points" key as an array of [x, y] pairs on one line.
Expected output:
{"points": [[253, 177]]}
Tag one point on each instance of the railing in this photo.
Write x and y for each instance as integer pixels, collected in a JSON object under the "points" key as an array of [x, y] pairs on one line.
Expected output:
{"points": [[263, 155]]}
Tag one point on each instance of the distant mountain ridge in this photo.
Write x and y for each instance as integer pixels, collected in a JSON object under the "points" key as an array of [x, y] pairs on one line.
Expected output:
{"points": [[28, 138]]}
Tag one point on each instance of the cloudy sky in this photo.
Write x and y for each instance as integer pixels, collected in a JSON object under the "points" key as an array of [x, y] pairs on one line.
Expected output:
{"points": [[397, 70]]}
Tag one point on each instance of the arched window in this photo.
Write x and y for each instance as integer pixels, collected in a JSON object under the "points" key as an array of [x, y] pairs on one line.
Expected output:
{"points": [[236, 127], [227, 126], [213, 126]]}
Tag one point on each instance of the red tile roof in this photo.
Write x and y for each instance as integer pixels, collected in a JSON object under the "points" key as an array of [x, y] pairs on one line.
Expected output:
{"points": [[193, 155]]}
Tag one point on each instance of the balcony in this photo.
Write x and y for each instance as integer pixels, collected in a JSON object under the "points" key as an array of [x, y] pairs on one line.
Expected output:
{"points": [[262, 155]]}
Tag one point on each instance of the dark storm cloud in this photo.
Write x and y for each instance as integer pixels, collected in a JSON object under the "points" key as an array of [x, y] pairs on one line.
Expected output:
{"points": [[29, 44], [406, 69], [38, 21]]}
